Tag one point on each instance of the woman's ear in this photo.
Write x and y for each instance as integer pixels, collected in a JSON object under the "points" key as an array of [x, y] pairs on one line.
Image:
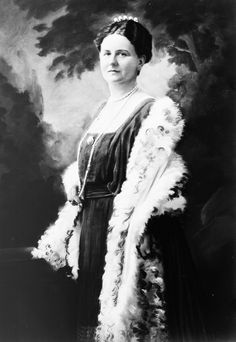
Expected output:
{"points": [[142, 60]]}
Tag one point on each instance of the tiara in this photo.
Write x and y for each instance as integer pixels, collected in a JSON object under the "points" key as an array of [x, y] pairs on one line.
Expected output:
{"points": [[125, 17]]}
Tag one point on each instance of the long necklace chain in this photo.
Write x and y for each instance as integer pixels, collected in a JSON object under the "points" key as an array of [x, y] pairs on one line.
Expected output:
{"points": [[82, 185]]}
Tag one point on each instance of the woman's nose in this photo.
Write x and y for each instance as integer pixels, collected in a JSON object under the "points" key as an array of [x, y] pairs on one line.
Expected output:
{"points": [[113, 59]]}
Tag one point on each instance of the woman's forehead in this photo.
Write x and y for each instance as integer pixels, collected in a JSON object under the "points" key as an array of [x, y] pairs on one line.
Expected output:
{"points": [[116, 42]]}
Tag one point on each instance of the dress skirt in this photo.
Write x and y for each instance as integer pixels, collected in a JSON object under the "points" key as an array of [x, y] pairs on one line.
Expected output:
{"points": [[92, 257]]}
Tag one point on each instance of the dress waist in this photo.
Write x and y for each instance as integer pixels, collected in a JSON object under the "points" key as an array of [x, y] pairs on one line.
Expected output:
{"points": [[94, 190]]}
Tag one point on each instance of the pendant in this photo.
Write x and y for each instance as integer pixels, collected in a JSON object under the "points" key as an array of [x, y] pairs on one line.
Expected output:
{"points": [[90, 140]]}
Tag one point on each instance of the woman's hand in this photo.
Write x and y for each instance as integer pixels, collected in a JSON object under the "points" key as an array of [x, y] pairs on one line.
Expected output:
{"points": [[72, 196], [145, 246]]}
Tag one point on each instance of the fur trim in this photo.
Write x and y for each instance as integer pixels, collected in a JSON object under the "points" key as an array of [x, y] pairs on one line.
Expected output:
{"points": [[153, 171], [59, 245], [70, 177]]}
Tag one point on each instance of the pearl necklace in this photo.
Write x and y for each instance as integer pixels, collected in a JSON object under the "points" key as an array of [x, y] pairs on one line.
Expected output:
{"points": [[112, 99], [95, 141]]}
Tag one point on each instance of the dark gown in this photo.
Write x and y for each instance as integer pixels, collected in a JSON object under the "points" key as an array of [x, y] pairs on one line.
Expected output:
{"points": [[107, 173]]}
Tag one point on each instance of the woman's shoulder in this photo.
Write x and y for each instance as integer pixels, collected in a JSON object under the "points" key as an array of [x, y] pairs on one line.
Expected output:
{"points": [[142, 98], [163, 102], [163, 122], [140, 104], [160, 107], [164, 108], [148, 102]]}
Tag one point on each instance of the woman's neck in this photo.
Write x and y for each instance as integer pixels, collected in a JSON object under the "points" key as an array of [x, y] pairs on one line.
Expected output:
{"points": [[119, 90]]}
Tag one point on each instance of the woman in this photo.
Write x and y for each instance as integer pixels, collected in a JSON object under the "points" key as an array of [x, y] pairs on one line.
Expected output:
{"points": [[123, 203]]}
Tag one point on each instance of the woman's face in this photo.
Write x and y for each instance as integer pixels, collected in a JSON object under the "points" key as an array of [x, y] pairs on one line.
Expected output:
{"points": [[118, 60]]}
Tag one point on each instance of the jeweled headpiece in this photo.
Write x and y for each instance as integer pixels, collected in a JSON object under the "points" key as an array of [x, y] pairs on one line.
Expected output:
{"points": [[129, 27], [125, 17]]}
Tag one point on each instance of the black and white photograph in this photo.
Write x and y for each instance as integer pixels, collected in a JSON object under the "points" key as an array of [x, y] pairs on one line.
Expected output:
{"points": [[117, 171]]}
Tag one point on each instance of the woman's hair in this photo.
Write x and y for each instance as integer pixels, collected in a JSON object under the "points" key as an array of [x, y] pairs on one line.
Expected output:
{"points": [[135, 32]]}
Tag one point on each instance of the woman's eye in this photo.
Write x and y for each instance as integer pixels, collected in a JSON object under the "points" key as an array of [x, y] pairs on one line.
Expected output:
{"points": [[123, 54]]}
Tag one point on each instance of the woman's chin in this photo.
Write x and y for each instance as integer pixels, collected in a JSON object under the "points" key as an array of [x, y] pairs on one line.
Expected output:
{"points": [[112, 77]]}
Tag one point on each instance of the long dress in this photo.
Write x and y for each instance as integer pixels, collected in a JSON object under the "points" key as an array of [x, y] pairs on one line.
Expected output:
{"points": [[104, 181], [107, 173]]}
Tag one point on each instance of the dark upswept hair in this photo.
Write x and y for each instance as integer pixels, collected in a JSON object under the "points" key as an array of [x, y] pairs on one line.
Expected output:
{"points": [[135, 32]]}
